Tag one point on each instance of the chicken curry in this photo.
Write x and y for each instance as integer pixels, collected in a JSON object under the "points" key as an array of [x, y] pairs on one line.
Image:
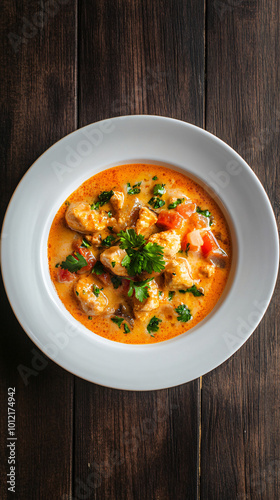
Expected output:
{"points": [[139, 253]]}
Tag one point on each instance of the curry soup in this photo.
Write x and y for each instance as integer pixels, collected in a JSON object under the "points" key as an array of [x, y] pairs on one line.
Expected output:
{"points": [[139, 253]]}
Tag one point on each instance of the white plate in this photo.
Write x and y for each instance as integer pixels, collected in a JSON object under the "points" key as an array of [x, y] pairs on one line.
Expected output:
{"points": [[132, 139]]}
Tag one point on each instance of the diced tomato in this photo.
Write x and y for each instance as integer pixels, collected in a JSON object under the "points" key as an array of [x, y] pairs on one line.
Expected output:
{"points": [[89, 258], [210, 244], [64, 276], [169, 220], [186, 209], [194, 239], [198, 221], [105, 278]]}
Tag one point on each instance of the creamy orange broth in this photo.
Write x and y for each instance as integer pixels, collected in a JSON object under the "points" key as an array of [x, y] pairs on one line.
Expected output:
{"points": [[61, 239]]}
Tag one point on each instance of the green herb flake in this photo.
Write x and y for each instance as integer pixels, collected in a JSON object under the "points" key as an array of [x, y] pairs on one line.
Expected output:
{"points": [[176, 203], [108, 241], [156, 202], [74, 262], [183, 312], [140, 288], [57, 265], [77, 293], [134, 189], [85, 243], [160, 293], [98, 268], [155, 178], [206, 212], [67, 203], [96, 290], [153, 325], [126, 329], [116, 281], [159, 189], [194, 290], [171, 295], [113, 264], [117, 320], [89, 317], [95, 206], [109, 214], [187, 248]]}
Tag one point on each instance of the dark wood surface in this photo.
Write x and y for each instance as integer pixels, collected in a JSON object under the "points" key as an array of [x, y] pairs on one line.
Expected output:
{"points": [[211, 63]]}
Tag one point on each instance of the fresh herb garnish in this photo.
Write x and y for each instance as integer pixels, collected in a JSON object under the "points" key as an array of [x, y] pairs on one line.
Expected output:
{"points": [[110, 228], [140, 288], [160, 293], [103, 198], [134, 189], [187, 248], [98, 268], [153, 325], [126, 329], [117, 320], [77, 293], [206, 213], [89, 317], [74, 262], [156, 202], [194, 290], [140, 256], [116, 281], [108, 241], [109, 214], [171, 295], [183, 312], [175, 203], [85, 243], [113, 263], [96, 290], [57, 265], [95, 206], [67, 203], [155, 178], [159, 189]]}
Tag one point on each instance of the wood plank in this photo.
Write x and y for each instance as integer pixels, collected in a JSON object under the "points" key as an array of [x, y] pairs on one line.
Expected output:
{"points": [[240, 400], [38, 106], [139, 57]]}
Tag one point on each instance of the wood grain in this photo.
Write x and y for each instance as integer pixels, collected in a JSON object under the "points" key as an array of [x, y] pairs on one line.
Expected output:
{"points": [[139, 57], [240, 445], [38, 108]]}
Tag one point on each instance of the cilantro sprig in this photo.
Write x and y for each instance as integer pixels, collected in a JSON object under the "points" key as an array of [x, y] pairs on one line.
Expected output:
{"points": [[184, 314], [140, 256], [74, 262], [153, 325]]}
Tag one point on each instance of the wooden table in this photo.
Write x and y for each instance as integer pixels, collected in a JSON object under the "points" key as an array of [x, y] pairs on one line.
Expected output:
{"points": [[211, 63]]}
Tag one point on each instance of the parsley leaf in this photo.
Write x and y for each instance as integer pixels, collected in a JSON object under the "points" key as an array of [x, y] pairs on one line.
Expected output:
{"points": [[140, 288], [126, 329], [95, 206], [140, 256], [85, 243], [206, 213], [187, 248], [175, 203], [116, 281], [108, 241], [109, 214], [129, 239], [117, 320], [104, 197], [159, 189], [184, 313], [155, 178], [194, 290], [74, 262], [98, 268], [113, 263], [96, 290], [171, 295], [153, 325], [156, 202], [153, 258], [89, 317], [134, 189]]}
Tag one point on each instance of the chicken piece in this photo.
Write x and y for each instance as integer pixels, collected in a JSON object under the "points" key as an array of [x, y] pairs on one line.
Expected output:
{"points": [[114, 254], [126, 217], [142, 309], [81, 218], [92, 303], [94, 239], [206, 271], [117, 201], [169, 240], [146, 219], [178, 274]]}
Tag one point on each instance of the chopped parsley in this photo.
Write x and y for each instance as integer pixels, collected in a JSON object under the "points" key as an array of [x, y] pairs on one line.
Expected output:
{"points": [[113, 263], [134, 189], [116, 281], [153, 325], [98, 268], [96, 290], [95, 206], [160, 293], [67, 203], [171, 295], [187, 248], [194, 290], [85, 243], [184, 314], [156, 202], [109, 214], [206, 213], [103, 198], [117, 320], [126, 329], [57, 265], [159, 189], [74, 262], [108, 241], [140, 256], [110, 228], [89, 317], [155, 178], [140, 288], [77, 293], [176, 203]]}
